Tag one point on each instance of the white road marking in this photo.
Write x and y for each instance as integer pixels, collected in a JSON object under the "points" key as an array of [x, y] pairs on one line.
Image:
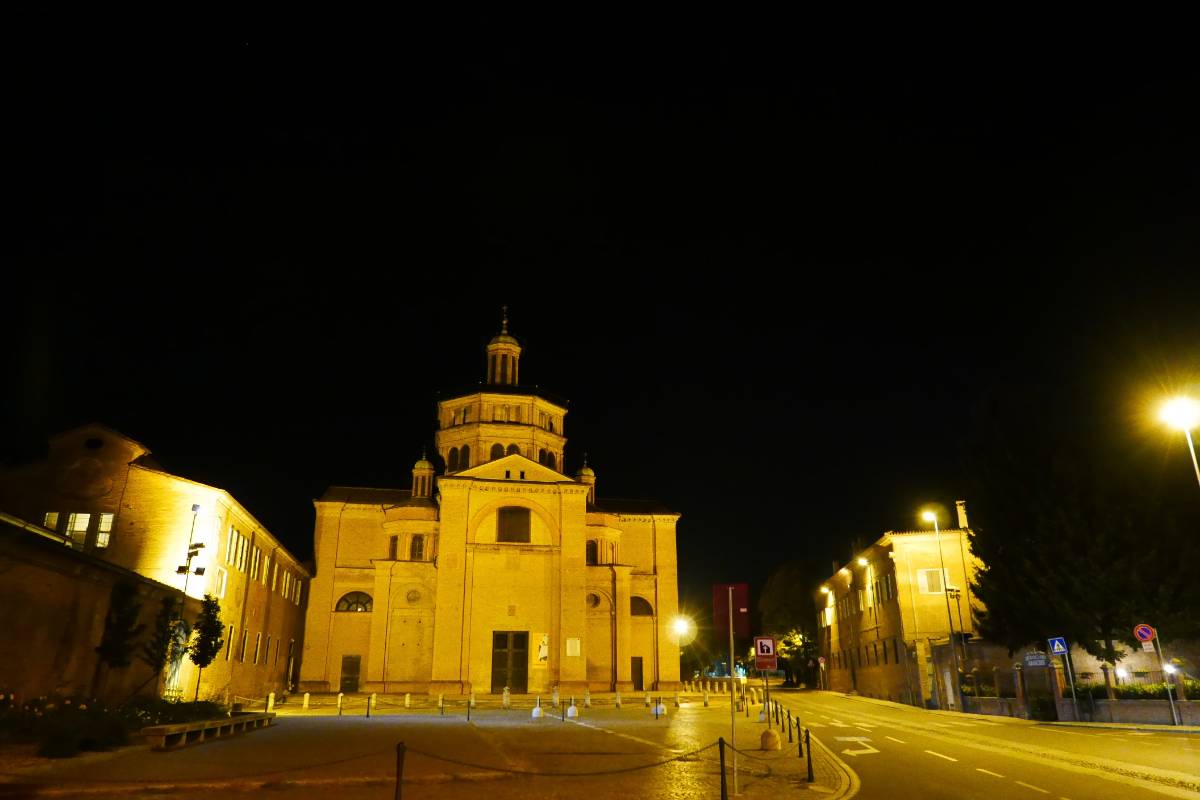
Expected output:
{"points": [[866, 749], [894, 739], [989, 772], [863, 728], [1031, 786], [939, 755]]}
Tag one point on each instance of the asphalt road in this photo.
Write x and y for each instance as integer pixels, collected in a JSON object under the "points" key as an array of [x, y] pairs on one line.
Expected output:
{"points": [[902, 752]]}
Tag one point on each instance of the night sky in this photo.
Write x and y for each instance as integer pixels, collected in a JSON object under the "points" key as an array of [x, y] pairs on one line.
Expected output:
{"points": [[775, 286]]}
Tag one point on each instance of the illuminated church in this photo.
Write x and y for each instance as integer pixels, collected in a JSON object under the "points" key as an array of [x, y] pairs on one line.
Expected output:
{"points": [[500, 572]]}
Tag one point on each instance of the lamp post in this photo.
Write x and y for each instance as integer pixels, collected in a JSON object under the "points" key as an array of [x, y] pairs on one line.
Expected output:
{"points": [[930, 516], [193, 550], [1183, 414]]}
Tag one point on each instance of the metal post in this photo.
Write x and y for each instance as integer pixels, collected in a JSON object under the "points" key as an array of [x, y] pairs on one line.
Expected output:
{"points": [[732, 703], [724, 788], [1066, 657], [808, 742], [1166, 682], [1192, 450], [799, 738], [789, 719], [399, 767]]}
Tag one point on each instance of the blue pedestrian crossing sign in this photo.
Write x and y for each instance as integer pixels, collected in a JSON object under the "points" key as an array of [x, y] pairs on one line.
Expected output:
{"points": [[1058, 646]]}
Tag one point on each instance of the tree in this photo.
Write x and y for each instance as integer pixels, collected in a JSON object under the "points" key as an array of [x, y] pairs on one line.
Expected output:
{"points": [[167, 641], [787, 614], [121, 629], [1074, 539], [206, 642]]}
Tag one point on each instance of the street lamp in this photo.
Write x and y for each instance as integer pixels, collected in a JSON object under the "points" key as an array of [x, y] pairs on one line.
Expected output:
{"points": [[930, 516], [1183, 414]]}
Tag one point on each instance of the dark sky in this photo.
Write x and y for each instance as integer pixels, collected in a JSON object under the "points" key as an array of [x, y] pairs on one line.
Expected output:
{"points": [[774, 283]]}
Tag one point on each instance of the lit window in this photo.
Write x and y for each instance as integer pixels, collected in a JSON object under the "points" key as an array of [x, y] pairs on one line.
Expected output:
{"points": [[104, 530], [219, 582], [245, 635], [392, 547], [416, 550], [592, 556], [257, 645], [930, 581], [512, 525], [229, 642], [640, 607], [354, 601], [77, 525], [51, 520]]}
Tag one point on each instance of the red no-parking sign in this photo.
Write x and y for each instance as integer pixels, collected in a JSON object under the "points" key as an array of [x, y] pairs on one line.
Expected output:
{"points": [[1144, 633]]}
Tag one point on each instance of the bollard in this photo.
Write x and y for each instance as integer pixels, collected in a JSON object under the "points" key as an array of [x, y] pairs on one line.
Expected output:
{"points": [[399, 767], [468, 712], [563, 712], [799, 739], [647, 702], [537, 708], [271, 701], [507, 699], [370, 704], [769, 741], [442, 703], [340, 696], [554, 701], [706, 698], [617, 702], [720, 746], [572, 712], [789, 718], [677, 699], [471, 700], [306, 701], [407, 700], [809, 748], [587, 698]]}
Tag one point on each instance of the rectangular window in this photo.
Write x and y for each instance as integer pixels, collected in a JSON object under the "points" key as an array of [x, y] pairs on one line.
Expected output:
{"points": [[266, 570], [930, 581], [255, 562], [104, 530], [896, 650], [275, 577], [512, 525], [245, 635], [416, 551], [277, 641], [229, 545], [257, 645], [77, 525], [50, 520], [393, 542], [222, 577], [229, 642]]}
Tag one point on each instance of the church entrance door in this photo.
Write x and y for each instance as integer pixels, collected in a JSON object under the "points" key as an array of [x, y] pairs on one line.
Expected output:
{"points": [[635, 674], [510, 661], [350, 669]]}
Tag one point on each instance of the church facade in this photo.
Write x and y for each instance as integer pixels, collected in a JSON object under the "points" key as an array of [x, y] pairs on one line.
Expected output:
{"points": [[500, 572]]}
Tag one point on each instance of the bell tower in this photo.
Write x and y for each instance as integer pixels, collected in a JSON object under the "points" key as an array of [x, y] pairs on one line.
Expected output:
{"points": [[503, 356]]}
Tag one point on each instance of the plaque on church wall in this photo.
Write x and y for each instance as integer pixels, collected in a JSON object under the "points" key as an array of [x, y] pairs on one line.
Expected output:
{"points": [[573, 646]]}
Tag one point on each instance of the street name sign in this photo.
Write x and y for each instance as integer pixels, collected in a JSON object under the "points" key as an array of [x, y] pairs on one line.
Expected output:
{"points": [[1036, 660], [1144, 633], [764, 653], [1058, 645]]}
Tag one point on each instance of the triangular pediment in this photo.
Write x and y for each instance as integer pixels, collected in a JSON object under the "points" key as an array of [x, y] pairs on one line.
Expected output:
{"points": [[514, 465]]}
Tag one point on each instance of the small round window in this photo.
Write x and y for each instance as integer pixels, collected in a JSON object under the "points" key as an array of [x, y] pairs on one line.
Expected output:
{"points": [[593, 601], [413, 595]]}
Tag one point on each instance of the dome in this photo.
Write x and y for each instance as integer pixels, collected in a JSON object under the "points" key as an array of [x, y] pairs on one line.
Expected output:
{"points": [[585, 472], [423, 464], [504, 338]]}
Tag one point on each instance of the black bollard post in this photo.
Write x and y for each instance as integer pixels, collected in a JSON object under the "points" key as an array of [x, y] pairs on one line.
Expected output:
{"points": [[368, 707], [564, 712], [808, 742], [789, 718], [399, 767], [724, 788], [468, 711]]}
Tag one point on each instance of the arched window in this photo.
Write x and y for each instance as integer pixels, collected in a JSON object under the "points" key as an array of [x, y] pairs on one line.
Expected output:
{"points": [[452, 460], [552, 424], [516, 417], [514, 450], [550, 462], [640, 607], [497, 452], [512, 525], [542, 456], [354, 601], [466, 413], [593, 552], [416, 549], [464, 458]]}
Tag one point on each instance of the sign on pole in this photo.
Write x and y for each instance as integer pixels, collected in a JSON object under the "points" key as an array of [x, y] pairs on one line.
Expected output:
{"points": [[1036, 660], [1144, 633], [741, 608], [764, 653], [1058, 646]]}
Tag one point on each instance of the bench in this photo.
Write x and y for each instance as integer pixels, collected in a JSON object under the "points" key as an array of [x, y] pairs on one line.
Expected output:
{"points": [[165, 737]]}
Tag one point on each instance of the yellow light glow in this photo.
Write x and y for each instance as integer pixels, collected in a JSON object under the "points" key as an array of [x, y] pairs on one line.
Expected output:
{"points": [[824, 590], [684, 631], [1169, 669], [682, 625], [1181, 413], [1122, 673], [928, 516], [862, 562]]}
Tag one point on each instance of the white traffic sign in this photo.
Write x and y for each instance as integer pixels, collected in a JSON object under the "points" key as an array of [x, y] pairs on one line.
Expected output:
{"points": [[1058, 646], [764, 646]]}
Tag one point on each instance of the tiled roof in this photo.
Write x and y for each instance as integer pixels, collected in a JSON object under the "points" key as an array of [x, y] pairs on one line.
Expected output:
{"points": [[363, 496]]}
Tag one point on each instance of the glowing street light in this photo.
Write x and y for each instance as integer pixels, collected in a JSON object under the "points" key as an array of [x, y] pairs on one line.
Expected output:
{"points": [[684, 630], [1183, 414], [930, 516]]}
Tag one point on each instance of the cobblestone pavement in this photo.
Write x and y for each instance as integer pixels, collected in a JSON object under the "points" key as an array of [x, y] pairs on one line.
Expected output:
{"points": [[606, 752]]}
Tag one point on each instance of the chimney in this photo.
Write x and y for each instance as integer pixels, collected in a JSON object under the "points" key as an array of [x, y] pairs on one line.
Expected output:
{"points": [[962, 514]]}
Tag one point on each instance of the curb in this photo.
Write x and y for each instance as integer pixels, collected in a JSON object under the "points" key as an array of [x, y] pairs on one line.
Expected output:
{"points": [[1125, 726], [851, 785]]}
